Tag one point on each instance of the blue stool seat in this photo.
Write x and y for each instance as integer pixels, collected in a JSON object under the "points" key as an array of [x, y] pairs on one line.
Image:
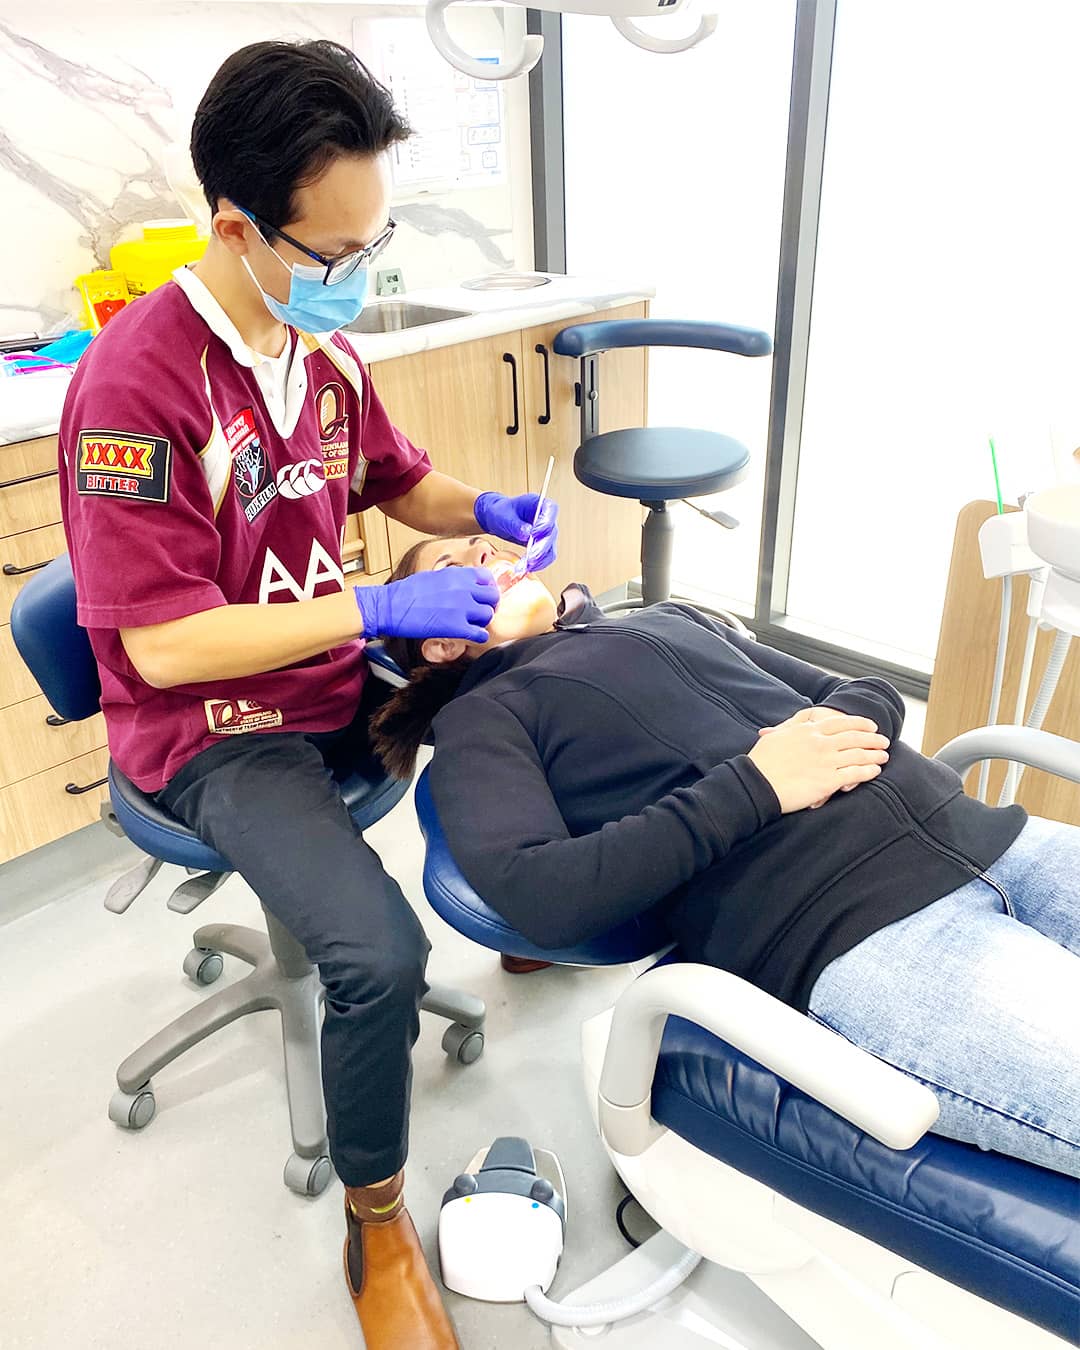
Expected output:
{"points": [[367, 792], [453, 899], [1001, 1228], [660, 464]]}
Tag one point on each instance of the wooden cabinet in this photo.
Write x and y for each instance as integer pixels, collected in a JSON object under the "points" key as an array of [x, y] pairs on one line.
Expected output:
{"points": [[458, 403], [599, 536], [41, 762]]}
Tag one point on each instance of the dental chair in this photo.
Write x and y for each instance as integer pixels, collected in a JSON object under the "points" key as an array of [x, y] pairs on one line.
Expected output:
{"points": [[59, 656], [795, 1163]]}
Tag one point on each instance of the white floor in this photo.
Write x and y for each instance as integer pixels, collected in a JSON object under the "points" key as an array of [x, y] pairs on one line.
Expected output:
{"points": [[183, 1235]]}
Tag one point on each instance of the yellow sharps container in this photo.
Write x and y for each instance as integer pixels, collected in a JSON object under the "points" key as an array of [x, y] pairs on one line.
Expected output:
{"points": [[150, 261]]}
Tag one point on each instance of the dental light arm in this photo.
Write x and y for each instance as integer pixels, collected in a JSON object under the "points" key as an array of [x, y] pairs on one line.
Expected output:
{"points": [[511, 65], [649, 42], [871, 1094], [530, 48]]}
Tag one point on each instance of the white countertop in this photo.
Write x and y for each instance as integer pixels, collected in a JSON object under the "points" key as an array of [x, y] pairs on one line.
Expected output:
{"points": [[30, 404]]}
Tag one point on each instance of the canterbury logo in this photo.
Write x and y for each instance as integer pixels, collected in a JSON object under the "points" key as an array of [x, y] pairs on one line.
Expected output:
{"points": [[301, 480]]}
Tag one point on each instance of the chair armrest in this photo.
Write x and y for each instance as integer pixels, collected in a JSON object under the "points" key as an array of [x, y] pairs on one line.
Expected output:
{"points": [[583, 339], [871, 1094], [1023, 745]]}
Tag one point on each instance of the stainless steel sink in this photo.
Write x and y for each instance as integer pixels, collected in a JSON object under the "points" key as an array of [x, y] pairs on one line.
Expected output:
{"points": [[391, 316]]}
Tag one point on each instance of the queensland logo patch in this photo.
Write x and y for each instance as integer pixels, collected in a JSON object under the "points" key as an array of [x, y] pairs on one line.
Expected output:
{"points": [[116, 464], [235, 716], [251, 470], [333, 417]]}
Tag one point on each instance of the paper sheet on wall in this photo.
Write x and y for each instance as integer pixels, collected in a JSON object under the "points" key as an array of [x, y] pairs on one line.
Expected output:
{"points": [[459, 122]]}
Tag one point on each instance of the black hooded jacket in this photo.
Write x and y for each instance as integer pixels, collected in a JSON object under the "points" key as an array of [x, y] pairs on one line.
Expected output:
{"points": [[587, 774]]}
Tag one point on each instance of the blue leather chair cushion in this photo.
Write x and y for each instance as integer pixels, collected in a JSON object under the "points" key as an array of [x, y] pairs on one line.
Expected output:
{"points": [[453, 899], [660, 463], [53, 645], [367, 792], [1004, 1229]]}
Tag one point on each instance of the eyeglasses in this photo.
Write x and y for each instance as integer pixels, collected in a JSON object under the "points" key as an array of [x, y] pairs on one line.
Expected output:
{"points": [[337, 269]]}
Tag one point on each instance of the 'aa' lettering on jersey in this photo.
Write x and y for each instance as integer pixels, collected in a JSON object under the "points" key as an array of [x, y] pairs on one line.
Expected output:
{"points": [[277, 577]]}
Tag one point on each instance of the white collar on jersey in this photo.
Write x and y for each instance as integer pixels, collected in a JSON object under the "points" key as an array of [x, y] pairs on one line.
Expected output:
{"points": [[283, 392]]}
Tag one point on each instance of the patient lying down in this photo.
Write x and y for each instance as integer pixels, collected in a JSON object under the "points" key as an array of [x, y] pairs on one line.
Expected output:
{"points": [[589, 768]]}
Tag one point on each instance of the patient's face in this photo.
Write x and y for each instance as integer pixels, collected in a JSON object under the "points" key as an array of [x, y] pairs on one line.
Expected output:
{"points": [[526, 608]]}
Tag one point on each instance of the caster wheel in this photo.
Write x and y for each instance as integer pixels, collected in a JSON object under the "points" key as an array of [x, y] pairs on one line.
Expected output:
{"points": [[202, 965], [308, 1176], [465, 1044], [132, 1110]]}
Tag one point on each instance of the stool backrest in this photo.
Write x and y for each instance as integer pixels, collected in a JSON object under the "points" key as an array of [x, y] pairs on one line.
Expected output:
{"points": [[585, 339], [50, 641]]}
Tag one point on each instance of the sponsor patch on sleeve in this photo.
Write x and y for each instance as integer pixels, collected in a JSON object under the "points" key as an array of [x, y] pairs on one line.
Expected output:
{"points": [[117, 464]]}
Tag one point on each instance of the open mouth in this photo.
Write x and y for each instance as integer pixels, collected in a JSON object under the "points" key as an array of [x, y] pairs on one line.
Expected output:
{"points": [[503, 572]]}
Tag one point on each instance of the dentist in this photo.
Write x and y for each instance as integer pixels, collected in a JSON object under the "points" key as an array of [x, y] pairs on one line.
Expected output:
{"points": [[216, 436]]}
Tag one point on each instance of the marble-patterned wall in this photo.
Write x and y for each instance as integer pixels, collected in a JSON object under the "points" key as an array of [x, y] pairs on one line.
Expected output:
{"points": [[91, 97]]}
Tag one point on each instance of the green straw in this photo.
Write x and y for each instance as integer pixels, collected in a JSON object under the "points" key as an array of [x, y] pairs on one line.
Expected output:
{"points": [[997, 480]]}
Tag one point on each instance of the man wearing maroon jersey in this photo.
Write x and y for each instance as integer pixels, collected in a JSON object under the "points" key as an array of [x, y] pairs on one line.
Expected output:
{"points": [[215, 438]]}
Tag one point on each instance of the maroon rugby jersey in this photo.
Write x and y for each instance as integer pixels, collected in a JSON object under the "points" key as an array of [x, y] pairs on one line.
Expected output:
{"points": [[181, 492]]}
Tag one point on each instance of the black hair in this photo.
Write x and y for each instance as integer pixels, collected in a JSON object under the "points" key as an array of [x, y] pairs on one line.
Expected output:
{"points": [[277, 113], [399, 726]]}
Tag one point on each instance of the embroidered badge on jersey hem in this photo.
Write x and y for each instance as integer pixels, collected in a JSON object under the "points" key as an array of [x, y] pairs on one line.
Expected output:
{"points": [[235, 716], [119, 464], [250, 467]]}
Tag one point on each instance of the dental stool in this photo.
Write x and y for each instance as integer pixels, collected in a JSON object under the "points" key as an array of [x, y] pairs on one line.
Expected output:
{"points": [[655, 465], [58, 654], [796, 1164]]}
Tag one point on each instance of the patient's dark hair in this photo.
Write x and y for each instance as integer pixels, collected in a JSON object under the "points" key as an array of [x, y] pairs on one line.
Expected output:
{"points": [[401, 723]]}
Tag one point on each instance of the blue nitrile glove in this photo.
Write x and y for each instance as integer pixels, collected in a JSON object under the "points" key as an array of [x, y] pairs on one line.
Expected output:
{"points": [[455, 602], [511, 518]]}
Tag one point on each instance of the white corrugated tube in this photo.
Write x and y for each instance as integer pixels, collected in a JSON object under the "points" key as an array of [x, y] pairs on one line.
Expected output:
{"points": [[1041, 706], [616, 1309]]}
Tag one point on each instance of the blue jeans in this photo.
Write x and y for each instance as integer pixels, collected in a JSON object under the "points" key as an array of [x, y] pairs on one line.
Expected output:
{"points": [[978, 997]]}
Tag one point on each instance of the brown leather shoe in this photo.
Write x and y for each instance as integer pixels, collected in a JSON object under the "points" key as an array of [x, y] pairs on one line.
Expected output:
{"points": [[391, 1287], [522, 965]]}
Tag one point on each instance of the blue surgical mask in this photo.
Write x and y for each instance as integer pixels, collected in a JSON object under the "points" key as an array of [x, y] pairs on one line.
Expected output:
{"points": [[311, 306]]}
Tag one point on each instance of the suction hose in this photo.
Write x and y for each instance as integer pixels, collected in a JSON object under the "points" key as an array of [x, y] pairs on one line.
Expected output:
{"points": [[616, 1309], [999, 675], [1041, 706]]}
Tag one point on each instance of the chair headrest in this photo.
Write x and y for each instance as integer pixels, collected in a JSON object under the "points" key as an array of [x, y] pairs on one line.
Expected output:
{"points": [[50, 641]]}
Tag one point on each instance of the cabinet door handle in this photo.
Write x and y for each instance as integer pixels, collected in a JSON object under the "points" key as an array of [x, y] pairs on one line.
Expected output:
{"points": [[77, 791], [546, 417], [30, 478], [55, 720], [10, 570], [516, 427]]}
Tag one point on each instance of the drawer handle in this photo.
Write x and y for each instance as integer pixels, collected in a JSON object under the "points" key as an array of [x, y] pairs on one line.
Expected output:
{"points": [[545, 418], [10, 570], [516, 426], [55, 720], [30, 478], [77, 791]]}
